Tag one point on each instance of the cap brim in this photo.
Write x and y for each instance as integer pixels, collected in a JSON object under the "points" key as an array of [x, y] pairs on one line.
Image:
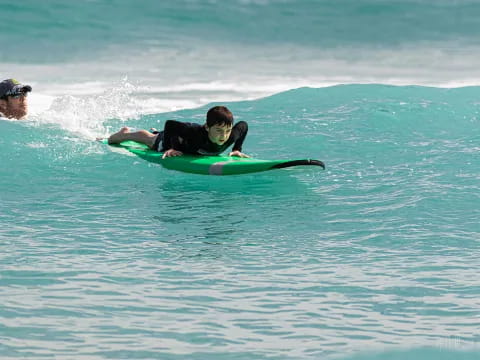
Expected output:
{"points": [[26, 88]]}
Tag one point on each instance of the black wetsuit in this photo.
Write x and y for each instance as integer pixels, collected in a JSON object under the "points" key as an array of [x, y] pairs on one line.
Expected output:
{"points": [[191, 138]]}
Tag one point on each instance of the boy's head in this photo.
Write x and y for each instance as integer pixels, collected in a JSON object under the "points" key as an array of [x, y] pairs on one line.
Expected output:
{"points": [[219, 124], [13, 98], [219, 115]]}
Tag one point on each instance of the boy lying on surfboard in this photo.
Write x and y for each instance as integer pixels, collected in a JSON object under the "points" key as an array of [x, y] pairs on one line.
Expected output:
{"points": [[177, 138]]}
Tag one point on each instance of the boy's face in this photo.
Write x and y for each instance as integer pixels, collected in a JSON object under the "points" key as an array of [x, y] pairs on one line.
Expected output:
{"points": [[15, 106], [218, 134]]}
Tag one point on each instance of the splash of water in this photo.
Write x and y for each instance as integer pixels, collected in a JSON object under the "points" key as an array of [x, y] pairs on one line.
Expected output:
{"points": [[86, 115]]}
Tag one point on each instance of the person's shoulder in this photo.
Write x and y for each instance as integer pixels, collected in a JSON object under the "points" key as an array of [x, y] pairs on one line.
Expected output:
{"points": [[241, 125]]}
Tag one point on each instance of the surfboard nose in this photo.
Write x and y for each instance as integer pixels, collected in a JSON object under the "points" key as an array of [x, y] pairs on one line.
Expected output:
{"points": [[300, 162]]}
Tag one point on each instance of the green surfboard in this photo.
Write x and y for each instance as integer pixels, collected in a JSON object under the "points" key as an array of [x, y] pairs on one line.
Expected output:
{"points": [[212, 165]]}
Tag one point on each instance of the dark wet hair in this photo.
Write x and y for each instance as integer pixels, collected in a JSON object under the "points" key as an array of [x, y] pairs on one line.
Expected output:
{"points": [[219, 115]]}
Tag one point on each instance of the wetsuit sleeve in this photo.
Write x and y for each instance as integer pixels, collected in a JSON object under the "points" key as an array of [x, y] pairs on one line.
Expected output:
{"points": [[172, 131], [240, 133]]}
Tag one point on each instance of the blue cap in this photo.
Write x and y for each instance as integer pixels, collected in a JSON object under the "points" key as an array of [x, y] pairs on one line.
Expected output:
{"points": [[11, 87]]}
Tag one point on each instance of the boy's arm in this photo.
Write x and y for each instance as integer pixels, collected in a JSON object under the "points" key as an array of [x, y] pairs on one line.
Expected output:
{"points": [[239, 131], [173, 131]]}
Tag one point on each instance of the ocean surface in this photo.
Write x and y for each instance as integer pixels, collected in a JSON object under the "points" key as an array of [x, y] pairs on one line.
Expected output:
{"points": [[106, 256]]}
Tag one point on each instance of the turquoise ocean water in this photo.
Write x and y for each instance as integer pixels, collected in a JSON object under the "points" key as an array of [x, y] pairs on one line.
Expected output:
{"points": [[105, 256]]}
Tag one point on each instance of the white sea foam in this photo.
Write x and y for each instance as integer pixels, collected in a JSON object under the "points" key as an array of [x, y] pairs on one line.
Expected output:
{"points": [[86, 114]]}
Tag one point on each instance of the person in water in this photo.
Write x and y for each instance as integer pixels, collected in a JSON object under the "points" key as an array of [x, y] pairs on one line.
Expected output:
{"points": [[13, 99], [177, 138]]}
